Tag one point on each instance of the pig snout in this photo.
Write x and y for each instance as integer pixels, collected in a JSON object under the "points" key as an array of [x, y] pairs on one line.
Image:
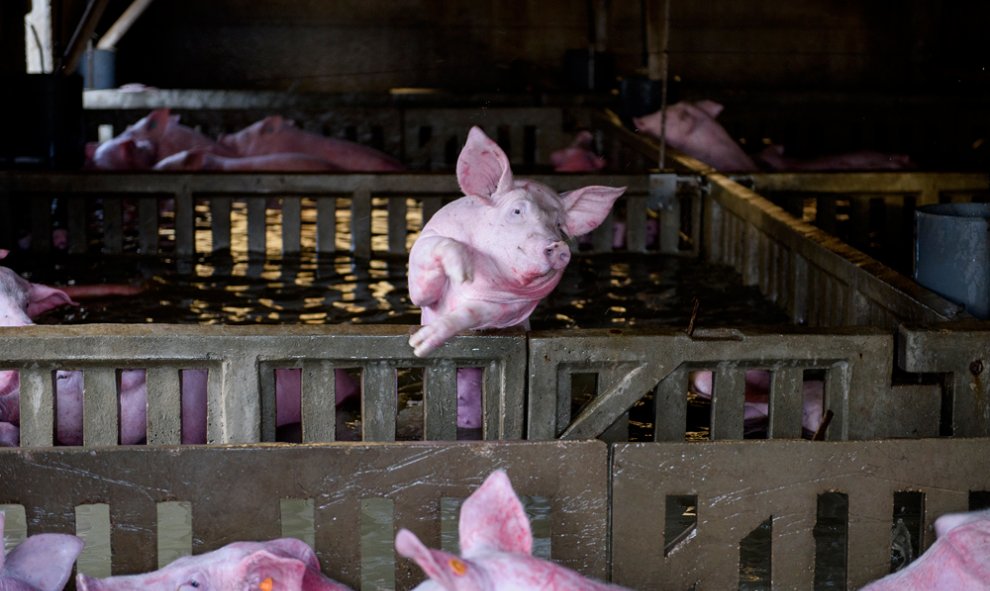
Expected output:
{"points": [[558, 254]]}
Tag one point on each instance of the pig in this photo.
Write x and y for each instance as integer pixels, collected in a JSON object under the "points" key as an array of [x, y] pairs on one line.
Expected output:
{"points": [[196, 159], [757, 404], [276, 135], [282, 564], [487, 259], [152, 138], [42, 562], [496, 549], [577, 157], [21, 301], [958, 560], [692, 129], [773, 157]]}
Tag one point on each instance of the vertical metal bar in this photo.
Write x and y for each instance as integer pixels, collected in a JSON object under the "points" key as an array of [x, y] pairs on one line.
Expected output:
{"points": [[379, 403], [670, 407], [670, 228], [319, 401], [37, 403], [636, 223], [148, 225], [267, 380], [786, 403], [164, 406], [220, 222], [728, 397], [101, 407], [361, 223], [291, 224], [113, 219], [257, 241], [440, 401], [326, 224], [397, 213], [185, 228]]}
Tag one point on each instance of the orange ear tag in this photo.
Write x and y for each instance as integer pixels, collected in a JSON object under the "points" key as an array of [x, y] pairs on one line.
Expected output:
{"points": [[458, 566], [266, 585]]}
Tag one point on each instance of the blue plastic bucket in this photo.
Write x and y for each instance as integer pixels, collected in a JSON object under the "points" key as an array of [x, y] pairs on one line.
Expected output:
{"points": [[952, 253]]}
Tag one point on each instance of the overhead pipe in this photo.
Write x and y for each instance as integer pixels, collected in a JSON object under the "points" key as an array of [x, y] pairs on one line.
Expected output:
{"points": [[81, 36], [123, 24]]}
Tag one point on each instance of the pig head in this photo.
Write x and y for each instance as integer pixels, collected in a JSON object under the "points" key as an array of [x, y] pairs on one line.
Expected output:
{"points": [[42, 562], [958, 560], [496, 549], [285, 563], [691, 128], [486, 259]]}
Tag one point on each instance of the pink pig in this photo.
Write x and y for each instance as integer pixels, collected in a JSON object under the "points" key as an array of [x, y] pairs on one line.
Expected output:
{"points": [[578, 156], [21, 300], [773, 156], [152, 138], [692, 129], [197, 159], [283, 564], [42, 562], [496, 549], [958, 560], [486, 259], [276, 135], [757, 393]]}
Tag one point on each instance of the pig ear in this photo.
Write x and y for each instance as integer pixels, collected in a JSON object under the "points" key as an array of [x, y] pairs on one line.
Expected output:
{"points": [[155, 123], [439, 566], [42, 298], [710, 107], [483, 168], [586, 208], [493, 519], [280, 572], [44, 561]]}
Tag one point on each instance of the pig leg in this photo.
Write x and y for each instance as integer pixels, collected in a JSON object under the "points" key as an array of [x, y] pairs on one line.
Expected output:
{"points": [[438, 259], [425, 340]]}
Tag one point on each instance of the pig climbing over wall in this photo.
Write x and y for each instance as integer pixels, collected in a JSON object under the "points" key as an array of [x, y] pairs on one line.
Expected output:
{"points": [[487, 259]]}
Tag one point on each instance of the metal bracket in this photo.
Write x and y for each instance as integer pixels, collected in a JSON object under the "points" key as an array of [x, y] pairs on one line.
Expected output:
{"points": [[663, 190]]}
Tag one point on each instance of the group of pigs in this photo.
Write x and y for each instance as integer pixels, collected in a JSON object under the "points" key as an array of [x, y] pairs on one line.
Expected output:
{"points": [[483, 261], [158, 141], [496, 544]]}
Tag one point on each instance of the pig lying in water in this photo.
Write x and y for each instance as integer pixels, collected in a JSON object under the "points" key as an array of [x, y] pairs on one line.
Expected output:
{"points": [[496, 549], [958, 560], [486, 259], [283, 564], [42, 562]]}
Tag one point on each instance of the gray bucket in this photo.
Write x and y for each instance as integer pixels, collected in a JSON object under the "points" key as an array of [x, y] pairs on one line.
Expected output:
{"points": [[952, 253], [98, 69]]}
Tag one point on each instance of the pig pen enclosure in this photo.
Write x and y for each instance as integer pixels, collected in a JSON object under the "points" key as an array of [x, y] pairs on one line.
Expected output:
{"points": [[902, 371]]}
